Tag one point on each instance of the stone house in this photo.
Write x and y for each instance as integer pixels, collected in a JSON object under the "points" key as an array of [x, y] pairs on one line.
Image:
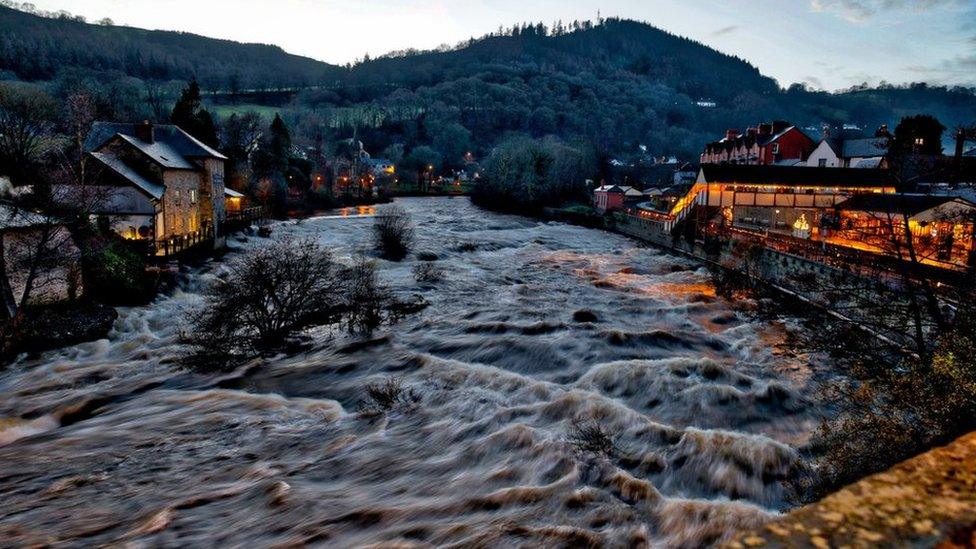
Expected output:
{"points": [[41, 260], [155, 182]]}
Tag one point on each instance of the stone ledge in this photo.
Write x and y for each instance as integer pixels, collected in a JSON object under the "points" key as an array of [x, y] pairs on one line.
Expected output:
{"points": [[927, 501]]}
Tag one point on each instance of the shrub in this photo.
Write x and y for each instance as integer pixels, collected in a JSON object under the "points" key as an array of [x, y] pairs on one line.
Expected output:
{"points": [[589, 437], [894, 411], [393, 233], [114, 272], [428, 272], [368, 303], [382, 397]]}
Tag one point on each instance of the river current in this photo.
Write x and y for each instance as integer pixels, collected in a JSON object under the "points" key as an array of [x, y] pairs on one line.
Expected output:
{"points": [[114, 442]]}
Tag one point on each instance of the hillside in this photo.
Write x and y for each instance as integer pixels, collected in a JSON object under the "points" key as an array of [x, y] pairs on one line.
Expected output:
{"points": [[620, 85], [38, 48], [614, 48]]}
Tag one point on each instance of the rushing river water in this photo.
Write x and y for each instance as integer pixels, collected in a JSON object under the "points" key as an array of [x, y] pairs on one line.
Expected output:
{"points": [[113, 442]]}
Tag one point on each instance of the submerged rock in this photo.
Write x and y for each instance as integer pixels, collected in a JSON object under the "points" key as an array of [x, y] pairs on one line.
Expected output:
{"points": [[584, 315]]}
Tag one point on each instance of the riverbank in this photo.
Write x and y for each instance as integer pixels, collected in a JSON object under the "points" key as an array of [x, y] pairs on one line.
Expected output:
{"points": [[927, 501]]}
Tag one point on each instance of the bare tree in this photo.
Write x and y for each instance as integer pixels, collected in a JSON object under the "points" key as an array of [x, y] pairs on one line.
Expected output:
{"points": [[272, 293], [26, 119], [39, 261], [267, 296]]}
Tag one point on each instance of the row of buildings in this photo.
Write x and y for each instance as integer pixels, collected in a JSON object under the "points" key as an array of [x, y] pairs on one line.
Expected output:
{"points": [[776, 183]]}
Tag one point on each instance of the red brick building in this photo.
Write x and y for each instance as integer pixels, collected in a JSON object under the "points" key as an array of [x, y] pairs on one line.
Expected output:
{"points": [[766, 144], [614, 197]]}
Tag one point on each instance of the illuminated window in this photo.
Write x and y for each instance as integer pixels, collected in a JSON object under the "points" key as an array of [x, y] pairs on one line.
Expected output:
{"points": [[775, 148], [193, 196]]}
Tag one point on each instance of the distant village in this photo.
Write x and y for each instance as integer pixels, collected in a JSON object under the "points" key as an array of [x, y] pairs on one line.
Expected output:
{"points": [[837, 192]]}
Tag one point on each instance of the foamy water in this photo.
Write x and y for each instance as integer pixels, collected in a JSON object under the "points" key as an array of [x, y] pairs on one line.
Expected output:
{"points": [[113, 442]]}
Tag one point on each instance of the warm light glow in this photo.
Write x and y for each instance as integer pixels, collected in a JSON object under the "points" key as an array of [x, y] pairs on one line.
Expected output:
{"points": [[801, 223]]}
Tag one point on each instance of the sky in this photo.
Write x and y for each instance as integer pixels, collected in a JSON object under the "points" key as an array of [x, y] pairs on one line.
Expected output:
{"points": [[826, 44]]}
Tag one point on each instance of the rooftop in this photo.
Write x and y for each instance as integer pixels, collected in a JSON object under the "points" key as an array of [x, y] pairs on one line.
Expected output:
{"points": [[867, 147], [797, 176], [910, 204], [177, 142], [12, 217], [154, 190]]}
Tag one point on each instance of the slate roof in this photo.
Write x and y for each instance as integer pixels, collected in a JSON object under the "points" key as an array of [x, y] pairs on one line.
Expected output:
{"points": [[154, 190], [911, 204], [161, 152], [12, 217], [873, 162], [177, 140], [871, 146], [798, 176]]}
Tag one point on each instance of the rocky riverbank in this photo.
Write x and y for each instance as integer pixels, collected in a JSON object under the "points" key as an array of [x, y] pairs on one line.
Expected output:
{"points": [[54, 326]]}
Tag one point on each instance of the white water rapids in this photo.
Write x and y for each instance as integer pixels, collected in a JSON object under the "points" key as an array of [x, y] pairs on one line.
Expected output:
{"points": [[113, 442]]}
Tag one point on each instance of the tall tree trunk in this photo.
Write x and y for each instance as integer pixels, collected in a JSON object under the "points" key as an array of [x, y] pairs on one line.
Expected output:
{"points": [[9, 309]]}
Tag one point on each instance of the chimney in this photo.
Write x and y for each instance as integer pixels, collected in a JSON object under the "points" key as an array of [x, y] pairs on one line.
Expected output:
{"points": [[780, 125], [751, 132], [145, 132], [883, 131], [731, 134], [765, 129], [825, 131], [960, 146]]}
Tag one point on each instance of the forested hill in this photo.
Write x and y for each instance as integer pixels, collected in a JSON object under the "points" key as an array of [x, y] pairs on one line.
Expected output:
{"points": [[621, 85], [33, 47], [610, 50]]}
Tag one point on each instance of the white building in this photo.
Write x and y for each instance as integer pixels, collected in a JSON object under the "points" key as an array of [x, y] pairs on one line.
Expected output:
{"points": [[866, 152]]}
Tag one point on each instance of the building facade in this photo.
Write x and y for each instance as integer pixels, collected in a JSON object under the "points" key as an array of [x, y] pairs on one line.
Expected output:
{"points": [[766, 144], [155, 182]]}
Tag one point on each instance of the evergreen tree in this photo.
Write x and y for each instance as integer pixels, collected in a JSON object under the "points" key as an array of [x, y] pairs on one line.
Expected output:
{"points": [[189, 114], [279, 144], [921, 134]]}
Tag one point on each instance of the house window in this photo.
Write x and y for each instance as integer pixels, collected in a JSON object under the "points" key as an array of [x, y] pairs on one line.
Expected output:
{"points": [[193, 196], [176, 196], [822, 163], [775, 148]]}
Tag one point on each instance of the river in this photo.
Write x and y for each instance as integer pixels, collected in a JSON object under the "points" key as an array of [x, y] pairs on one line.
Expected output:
{"points": [[113, 442]]}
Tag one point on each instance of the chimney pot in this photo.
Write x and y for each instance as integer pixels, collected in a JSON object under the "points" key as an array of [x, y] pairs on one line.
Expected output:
{"points": [[146, 132], [731, 134]]}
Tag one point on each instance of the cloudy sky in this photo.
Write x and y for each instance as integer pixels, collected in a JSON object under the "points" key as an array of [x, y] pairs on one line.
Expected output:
{"points": [[827, 44]]}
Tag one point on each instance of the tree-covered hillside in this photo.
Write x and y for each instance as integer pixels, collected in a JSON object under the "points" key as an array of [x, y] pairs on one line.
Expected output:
{"points": [[33, 47], [620, 86]]}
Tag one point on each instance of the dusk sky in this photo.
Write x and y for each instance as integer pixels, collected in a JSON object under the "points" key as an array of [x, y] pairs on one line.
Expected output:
{"points": [[827, 44]]}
